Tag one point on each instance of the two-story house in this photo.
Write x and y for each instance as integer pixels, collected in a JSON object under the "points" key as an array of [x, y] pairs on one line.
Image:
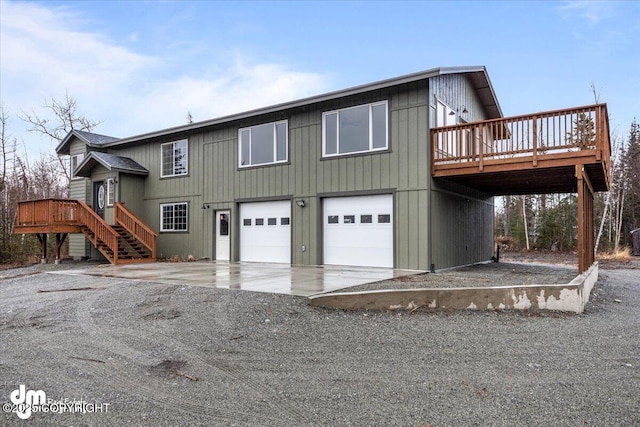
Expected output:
{"points": [[344, 178]]}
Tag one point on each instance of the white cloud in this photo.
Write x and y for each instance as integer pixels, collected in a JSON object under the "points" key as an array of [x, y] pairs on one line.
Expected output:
{"points": [[45, 52], [240, 87], [591, 11], [41, 49]]}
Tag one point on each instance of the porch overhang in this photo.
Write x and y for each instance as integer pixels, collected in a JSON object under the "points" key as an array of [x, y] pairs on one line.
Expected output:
{"points": [[110, 162]]}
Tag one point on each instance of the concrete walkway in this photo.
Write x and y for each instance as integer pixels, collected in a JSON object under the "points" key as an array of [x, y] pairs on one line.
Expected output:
{"points": [[258, 277]]}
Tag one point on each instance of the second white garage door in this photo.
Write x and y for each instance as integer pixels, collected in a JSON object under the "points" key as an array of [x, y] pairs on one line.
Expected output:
{"points": [[358, 231], [265, 231]]}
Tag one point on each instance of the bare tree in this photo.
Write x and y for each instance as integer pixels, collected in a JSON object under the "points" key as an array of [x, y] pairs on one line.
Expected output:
{"points": [[65, 119]]}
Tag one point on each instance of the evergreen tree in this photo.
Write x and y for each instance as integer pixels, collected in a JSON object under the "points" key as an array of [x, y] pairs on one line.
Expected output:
{"points": [[630, 162]]}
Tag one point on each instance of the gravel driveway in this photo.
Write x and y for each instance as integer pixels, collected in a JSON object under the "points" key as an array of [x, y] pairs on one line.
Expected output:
{"points": [[159, 355]]}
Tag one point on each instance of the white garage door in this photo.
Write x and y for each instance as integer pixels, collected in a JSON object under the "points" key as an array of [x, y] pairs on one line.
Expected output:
{"points": [[265, 231], [358, 231]]}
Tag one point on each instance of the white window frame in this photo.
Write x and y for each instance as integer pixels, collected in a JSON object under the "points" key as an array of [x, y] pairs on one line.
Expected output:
{"points": [[174, 230], [448, 142], [275, 144], [111, 192], [78, 159], [371, 149], [186, 168]]}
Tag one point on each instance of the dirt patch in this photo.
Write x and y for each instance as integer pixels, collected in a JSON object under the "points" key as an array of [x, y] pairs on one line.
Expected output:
{"points": [[479, 275], [159, 306], [168, 367], [162, 314], [568, 259]]}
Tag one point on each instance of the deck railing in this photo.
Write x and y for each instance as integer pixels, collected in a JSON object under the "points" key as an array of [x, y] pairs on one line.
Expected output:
{"points": [[136, 227], [101, 230], [47, 212], [535, 135]]}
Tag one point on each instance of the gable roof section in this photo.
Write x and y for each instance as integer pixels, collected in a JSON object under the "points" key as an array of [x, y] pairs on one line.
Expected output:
{"points": [[111, 162], [478, 75], [91, 139]]}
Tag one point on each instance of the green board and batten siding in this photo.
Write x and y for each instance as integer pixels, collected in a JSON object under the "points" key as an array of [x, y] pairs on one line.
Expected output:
{"points": [[462, 219], [79, 189], [214, 178]]}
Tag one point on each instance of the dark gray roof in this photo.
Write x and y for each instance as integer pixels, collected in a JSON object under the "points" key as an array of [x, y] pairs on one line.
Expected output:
{"points": [[477, 74], [94, 138], [89, 138], [111, 162]]}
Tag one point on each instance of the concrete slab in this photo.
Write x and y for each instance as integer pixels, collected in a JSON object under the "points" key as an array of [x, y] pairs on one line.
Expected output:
{"points": [[570, 297], [258, 277]]}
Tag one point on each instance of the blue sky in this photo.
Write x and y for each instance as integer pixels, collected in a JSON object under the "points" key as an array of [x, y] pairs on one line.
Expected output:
{"points": [[141, 66]]}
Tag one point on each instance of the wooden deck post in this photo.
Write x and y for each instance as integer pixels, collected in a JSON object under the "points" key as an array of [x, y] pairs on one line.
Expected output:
{"points": [[42, 238], [586, 245], [60, 238]]}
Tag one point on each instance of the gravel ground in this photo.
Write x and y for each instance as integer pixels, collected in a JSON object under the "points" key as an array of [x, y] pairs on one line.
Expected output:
{"points": [[264, 359]]}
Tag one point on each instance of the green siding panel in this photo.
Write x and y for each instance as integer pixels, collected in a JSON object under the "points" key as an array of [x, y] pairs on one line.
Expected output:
{"points": [[214, 178]]}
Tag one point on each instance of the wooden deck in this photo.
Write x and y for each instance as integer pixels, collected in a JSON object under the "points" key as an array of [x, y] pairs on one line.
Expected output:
{"points": [[47, 216], [130, 240], [530, 154], [562, 151]]}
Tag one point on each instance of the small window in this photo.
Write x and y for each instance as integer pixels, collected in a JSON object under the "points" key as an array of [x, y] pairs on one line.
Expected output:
{"points": [[175, 157], [272, 221], [259, 221], [76, 159], [263, 144], [246, 222], [355, 129], [366, 219], [384, 219], [332, 219], [284, 221], [349, 219], [174, 216], [224, 224], [111, 192]]}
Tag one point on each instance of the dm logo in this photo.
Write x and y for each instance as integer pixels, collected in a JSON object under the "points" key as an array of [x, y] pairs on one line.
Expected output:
{"points": [[25, 401]]}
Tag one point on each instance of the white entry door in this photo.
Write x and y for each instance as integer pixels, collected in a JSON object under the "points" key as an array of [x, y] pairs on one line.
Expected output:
{"points": [[358, 231], [265, 231], [223, 230]]}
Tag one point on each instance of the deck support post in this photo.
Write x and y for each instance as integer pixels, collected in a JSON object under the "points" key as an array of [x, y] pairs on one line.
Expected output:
{"points": [[586, 255], [42, 238], [60, 238]]}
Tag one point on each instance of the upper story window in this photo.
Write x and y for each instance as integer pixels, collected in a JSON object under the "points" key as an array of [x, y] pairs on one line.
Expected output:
{"points": [[355, 130], [175, 158], [263, 144], [174, 216], [76, 159], [111, 192]]}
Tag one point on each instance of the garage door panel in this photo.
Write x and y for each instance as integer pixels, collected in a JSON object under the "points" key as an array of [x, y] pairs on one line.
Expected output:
{"points": [[358, 231], [265, 232]]}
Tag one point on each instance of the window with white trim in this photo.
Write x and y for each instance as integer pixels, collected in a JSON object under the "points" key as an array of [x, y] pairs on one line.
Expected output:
{"points": [[263, 144], [111, 192], [76, 159], [354, 130], [174, 158], [174, 216]]}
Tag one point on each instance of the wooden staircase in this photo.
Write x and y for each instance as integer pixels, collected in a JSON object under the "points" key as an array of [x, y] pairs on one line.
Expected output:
{"points": [[129, 240], [120, 243], [130, 249]]}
